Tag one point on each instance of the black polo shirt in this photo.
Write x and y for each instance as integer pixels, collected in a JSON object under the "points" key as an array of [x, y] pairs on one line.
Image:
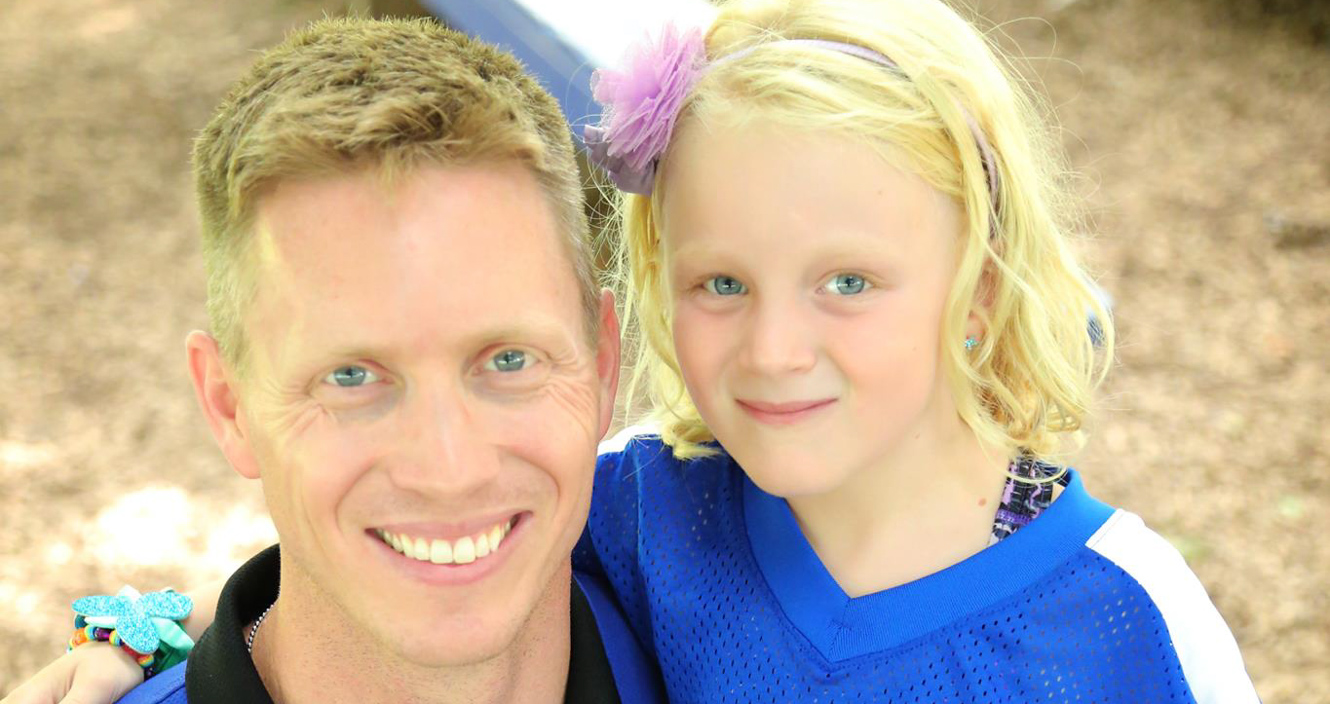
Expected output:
{"points": [[221, 672]]}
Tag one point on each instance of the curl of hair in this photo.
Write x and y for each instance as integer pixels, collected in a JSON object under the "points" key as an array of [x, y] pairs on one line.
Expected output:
{"points": [[1028, 385]]}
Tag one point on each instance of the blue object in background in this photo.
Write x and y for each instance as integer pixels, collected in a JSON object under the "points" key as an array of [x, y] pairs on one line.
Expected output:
{"points": [[564, 69], [562, 42]]}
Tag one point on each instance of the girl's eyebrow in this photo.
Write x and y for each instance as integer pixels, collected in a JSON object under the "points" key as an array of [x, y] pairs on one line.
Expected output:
{"points": [[697, 247], [830, 244], [693, 257]]}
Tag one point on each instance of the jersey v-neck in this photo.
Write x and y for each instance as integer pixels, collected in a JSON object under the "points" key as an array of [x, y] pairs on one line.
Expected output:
{"points": [[841, 627]]}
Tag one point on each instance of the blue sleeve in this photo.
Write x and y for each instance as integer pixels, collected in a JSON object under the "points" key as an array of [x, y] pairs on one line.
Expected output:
{"points": [[611, 545], [586, 557], [636, 675], [166, 688]]}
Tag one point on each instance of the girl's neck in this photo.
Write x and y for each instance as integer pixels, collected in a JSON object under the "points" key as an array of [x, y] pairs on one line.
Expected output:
{"points": [[308, 651], [928, 505]]}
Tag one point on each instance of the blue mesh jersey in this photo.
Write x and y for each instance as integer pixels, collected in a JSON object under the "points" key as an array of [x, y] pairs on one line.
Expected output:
{"points": [[1083, 605]]}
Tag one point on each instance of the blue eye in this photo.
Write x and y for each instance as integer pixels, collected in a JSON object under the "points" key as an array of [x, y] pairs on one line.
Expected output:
{"points": [[846, 284], [351, 376], [725, 286], [507, 361]]}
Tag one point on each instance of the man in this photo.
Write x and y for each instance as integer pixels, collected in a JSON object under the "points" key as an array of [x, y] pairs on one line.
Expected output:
{"points": [[409, 351]]}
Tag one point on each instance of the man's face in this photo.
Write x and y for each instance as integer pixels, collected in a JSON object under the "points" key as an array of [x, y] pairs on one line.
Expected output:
{"points": [[420, 375]]}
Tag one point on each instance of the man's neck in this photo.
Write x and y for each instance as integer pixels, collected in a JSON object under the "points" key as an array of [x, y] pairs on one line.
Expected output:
{"points": [[307, 651]]}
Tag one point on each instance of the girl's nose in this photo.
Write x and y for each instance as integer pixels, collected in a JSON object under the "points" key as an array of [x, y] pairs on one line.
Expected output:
{"points": [[779, 342]]}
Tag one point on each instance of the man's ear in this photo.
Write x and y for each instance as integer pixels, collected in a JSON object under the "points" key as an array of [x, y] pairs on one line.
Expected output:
{"points": [[215, 389], [607, 359]]}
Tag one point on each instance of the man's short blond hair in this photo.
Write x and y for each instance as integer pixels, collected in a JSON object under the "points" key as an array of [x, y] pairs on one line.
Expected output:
{"points": [[348, 94]]}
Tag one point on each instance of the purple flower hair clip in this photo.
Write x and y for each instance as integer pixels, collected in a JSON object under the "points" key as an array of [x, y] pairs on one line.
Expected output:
{"points": [[641, 101]]}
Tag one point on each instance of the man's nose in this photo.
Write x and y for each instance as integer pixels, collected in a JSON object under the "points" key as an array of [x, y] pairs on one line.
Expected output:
{"points": [[779, 340], [446, 448]]}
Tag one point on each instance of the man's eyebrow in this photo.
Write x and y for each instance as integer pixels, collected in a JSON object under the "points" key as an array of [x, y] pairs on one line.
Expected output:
{"points": [[528, 329], [539, 328]]}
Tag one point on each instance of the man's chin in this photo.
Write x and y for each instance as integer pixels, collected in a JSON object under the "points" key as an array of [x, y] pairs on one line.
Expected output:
{"points": [[443, 644], [455, 632], [432, 620]]}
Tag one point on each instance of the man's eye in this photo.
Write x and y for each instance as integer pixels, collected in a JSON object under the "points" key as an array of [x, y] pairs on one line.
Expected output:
{"points": [[507, 361], [351, 376], [724, 286], [846, 284]]}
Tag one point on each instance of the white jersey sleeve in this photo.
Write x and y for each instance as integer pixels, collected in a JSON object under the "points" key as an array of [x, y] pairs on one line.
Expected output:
{"points": [[1211, 662]]}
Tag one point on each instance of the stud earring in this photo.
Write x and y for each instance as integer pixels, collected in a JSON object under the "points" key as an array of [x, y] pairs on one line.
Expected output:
{"points": [[970, 343]]}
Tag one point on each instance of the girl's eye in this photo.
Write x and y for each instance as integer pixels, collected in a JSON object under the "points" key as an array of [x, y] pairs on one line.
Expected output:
{"points": [[351, 376], [846, 284], [724, 286], [507, 361]]}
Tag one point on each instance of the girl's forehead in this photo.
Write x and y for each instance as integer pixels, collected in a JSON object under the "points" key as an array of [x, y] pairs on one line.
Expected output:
{"points": [[764, 181]]}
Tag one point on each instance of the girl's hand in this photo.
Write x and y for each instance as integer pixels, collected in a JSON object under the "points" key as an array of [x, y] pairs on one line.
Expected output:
{"points": [[99, 673], [93, 673]]}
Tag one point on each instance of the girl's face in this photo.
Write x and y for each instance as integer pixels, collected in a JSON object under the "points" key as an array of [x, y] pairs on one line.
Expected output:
{"points": [[808, 279]]}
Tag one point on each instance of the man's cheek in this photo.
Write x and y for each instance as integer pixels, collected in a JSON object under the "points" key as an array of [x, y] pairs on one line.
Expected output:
{"points": [[555, 433], [564, 412], [320, 468], [579, 398]]}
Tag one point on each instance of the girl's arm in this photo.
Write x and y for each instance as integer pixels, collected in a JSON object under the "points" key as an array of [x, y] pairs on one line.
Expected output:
{"points": [[98, 673]]}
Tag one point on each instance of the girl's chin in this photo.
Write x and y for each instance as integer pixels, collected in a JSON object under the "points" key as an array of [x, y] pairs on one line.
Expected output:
{"points": [[794, 480]]}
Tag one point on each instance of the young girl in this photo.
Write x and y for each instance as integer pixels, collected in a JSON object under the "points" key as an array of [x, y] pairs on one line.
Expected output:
{"points": [[863, 336], [862, 332]]}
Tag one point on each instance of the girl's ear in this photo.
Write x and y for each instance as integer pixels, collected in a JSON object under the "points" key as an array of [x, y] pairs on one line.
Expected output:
{"points": [[985, 292]]}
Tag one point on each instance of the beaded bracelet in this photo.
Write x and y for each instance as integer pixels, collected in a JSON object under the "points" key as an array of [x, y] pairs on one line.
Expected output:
{"points": [[147, 626], [88, 634]]}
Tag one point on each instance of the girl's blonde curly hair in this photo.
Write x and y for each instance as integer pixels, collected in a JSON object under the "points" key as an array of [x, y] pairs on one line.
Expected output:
{"points": [[1028, 384]]}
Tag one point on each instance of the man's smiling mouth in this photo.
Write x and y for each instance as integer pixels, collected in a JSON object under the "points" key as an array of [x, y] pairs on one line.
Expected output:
{"points": [[461, 551]]}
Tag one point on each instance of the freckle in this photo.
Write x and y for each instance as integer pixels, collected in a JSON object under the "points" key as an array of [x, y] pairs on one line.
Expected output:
{"points": [[983, 501]]}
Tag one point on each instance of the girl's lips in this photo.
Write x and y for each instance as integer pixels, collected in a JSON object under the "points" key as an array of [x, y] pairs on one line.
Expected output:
{"points": [[784, 413]]}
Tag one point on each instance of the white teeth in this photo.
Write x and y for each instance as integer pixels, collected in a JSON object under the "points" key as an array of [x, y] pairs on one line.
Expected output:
{"points": [[464, 551], [442, 552]]}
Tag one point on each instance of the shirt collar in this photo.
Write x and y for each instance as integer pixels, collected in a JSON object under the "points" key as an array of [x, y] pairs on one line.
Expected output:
{"points": [[221, 671]]}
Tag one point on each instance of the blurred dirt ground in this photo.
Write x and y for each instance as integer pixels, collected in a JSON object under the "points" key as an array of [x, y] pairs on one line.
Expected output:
{"points": [[1201, 128]]}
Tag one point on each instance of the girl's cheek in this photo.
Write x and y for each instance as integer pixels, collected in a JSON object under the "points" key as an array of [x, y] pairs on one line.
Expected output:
{"points": [[696, 332]]}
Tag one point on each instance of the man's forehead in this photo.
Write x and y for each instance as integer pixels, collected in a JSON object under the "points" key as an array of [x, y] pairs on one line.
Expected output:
{"points": [[453, 220], [477, 247]]}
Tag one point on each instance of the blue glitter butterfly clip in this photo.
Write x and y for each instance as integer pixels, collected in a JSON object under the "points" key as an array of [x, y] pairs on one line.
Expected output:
{"points": [[132, 615]]}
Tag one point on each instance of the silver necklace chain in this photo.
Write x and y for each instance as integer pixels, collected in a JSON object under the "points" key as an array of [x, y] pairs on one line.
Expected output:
{"points": [[254, 630]]}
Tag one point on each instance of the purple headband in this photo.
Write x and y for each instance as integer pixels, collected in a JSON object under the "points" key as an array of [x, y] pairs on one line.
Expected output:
{"points": [[642, 100]]}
